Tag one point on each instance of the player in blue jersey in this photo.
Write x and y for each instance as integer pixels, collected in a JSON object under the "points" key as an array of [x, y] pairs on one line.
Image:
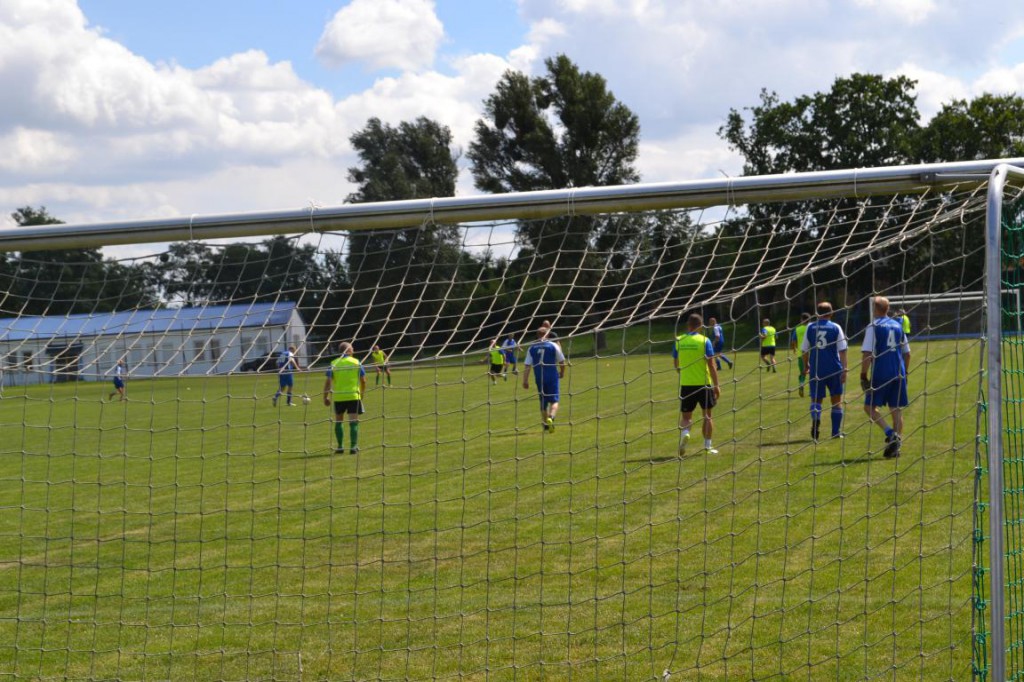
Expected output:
{"points": [[824, 350], [120, 376], [511, 349], [718, 343], [886, 356], [287, 365], [548, 362]]}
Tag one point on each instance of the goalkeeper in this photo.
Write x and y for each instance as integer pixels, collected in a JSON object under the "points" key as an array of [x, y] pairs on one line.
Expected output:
{"points": [[345, 384], [497, 359], [796, 344]]}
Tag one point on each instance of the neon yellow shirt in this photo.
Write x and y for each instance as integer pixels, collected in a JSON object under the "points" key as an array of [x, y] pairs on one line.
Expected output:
{"points": [[345, 373], [691, 352], [497, 357], [801, 332], [378, 357], [769, 336], [906, 325]]}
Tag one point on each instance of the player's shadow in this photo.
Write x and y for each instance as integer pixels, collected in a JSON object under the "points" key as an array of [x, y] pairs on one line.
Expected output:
{"points": [[657, 459], [866, 459], [788, 441]]}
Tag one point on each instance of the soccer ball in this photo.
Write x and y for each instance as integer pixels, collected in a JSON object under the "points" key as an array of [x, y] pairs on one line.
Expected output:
{"points": [[305, 400]]}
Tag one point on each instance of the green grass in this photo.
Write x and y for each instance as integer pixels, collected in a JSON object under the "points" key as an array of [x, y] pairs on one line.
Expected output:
{"points": [[196, 532]]}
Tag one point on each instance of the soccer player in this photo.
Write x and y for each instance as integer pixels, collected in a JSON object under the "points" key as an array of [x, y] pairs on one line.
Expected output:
{"points": [[120, 376], [904, 319], [718, 343], [287, 365], [796, 344], [497, 359], [693, 357], [767, 335], [886, 355], [379, 360], [824, 349], [510, 347], [346, 384], [548, 362]]}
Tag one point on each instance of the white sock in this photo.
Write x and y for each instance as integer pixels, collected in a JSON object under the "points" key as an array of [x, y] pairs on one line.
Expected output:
{"points": [[707, 443]]}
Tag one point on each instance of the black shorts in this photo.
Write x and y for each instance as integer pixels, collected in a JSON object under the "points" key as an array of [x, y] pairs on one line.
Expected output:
{"points": [[692, 396], [348, 406], [497, 369], [767, 350]]}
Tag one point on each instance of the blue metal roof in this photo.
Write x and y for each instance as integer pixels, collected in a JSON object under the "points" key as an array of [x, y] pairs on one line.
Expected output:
{"points": [[132, 322]]}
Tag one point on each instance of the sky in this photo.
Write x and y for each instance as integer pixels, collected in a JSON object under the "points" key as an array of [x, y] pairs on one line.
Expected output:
{"points": [[124, 109]]}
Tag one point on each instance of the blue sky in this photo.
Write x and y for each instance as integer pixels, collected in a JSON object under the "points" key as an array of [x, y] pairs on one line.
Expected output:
{"points": [[129, 109]]}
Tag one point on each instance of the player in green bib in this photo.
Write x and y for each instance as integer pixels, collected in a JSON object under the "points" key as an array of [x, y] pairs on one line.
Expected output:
{"points": [[378, 359], [694, 359], [767, 335], [796, 343], [345, 386], [496, 356]]}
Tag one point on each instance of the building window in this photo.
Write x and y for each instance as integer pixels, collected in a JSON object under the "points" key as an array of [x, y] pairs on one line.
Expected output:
{"points": [[197, 346], [26, 359], [214, 349]]}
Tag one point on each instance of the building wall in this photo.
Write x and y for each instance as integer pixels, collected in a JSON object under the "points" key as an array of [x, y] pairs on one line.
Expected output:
{"points": [[150, 355]]}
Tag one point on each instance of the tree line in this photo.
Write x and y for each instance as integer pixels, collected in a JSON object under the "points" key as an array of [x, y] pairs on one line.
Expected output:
{"points": [[563, 128]]}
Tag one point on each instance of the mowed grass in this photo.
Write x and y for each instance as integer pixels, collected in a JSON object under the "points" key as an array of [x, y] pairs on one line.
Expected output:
{"points": [[197, 532]]}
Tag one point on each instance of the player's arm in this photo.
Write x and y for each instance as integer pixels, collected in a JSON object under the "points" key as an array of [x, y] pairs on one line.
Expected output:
{"points": [[526, 372], [762, 333], [362, 381], [866, 358], [844, 365], [713, 371]]}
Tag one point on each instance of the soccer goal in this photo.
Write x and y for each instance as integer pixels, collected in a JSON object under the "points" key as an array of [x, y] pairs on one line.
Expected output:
{"points": [[189, 490]]}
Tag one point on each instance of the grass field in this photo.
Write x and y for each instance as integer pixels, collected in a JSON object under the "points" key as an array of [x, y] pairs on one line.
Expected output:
{"points": [[196, 532]]}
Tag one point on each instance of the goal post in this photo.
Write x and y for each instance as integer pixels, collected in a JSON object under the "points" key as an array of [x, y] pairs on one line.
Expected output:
{"points": [[182, 496]]}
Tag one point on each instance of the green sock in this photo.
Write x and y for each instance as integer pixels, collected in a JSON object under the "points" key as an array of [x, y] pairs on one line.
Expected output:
{"points": [[389, 380], [353, 434], [377, 380], [339, 433]]}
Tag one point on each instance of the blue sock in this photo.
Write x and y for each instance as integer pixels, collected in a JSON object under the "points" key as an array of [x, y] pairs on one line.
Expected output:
{"points": [[816, 412], [837, 420], [889, 432]]}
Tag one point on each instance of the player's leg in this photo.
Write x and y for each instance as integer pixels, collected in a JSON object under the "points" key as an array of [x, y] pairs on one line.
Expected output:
{"points": [[817, 390], [837, 413], [280, 389], [353, 426], [803, 373], [387, 370], [685, 421], [339, 426], [775, 368], [708, 427], [376, 375], [289, 384]]}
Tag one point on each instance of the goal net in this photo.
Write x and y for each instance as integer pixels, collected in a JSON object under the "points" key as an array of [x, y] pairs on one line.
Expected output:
{"points": [[177, 502]]}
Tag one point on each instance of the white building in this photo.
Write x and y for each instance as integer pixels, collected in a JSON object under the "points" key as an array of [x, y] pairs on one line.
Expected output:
{"points": [[165, 342]]}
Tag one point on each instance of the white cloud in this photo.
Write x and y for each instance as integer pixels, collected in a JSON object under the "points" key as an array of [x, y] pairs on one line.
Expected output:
{"points": [[384, 34], [907, 11], [27, 152]]}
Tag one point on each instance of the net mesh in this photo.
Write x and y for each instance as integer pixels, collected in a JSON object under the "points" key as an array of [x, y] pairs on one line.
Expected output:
{"points": [[205, 527]]}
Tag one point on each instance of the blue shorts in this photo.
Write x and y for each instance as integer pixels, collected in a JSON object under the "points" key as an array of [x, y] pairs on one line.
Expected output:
{"points": [[118, 383], [719, 347], [892, 395], [286, 380], [833, 384], [548, 394], [510, 357]]}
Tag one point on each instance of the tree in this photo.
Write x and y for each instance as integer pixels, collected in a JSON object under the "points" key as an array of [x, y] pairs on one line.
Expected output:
{"points": [[864, 120], [67, 281], [562, 129], [409, 267], [988, 127]]}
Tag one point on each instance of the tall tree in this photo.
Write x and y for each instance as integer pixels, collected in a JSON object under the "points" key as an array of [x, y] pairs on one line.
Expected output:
{"points": [[562, 129], [863, 120], [403, 271], [987, 127]]}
